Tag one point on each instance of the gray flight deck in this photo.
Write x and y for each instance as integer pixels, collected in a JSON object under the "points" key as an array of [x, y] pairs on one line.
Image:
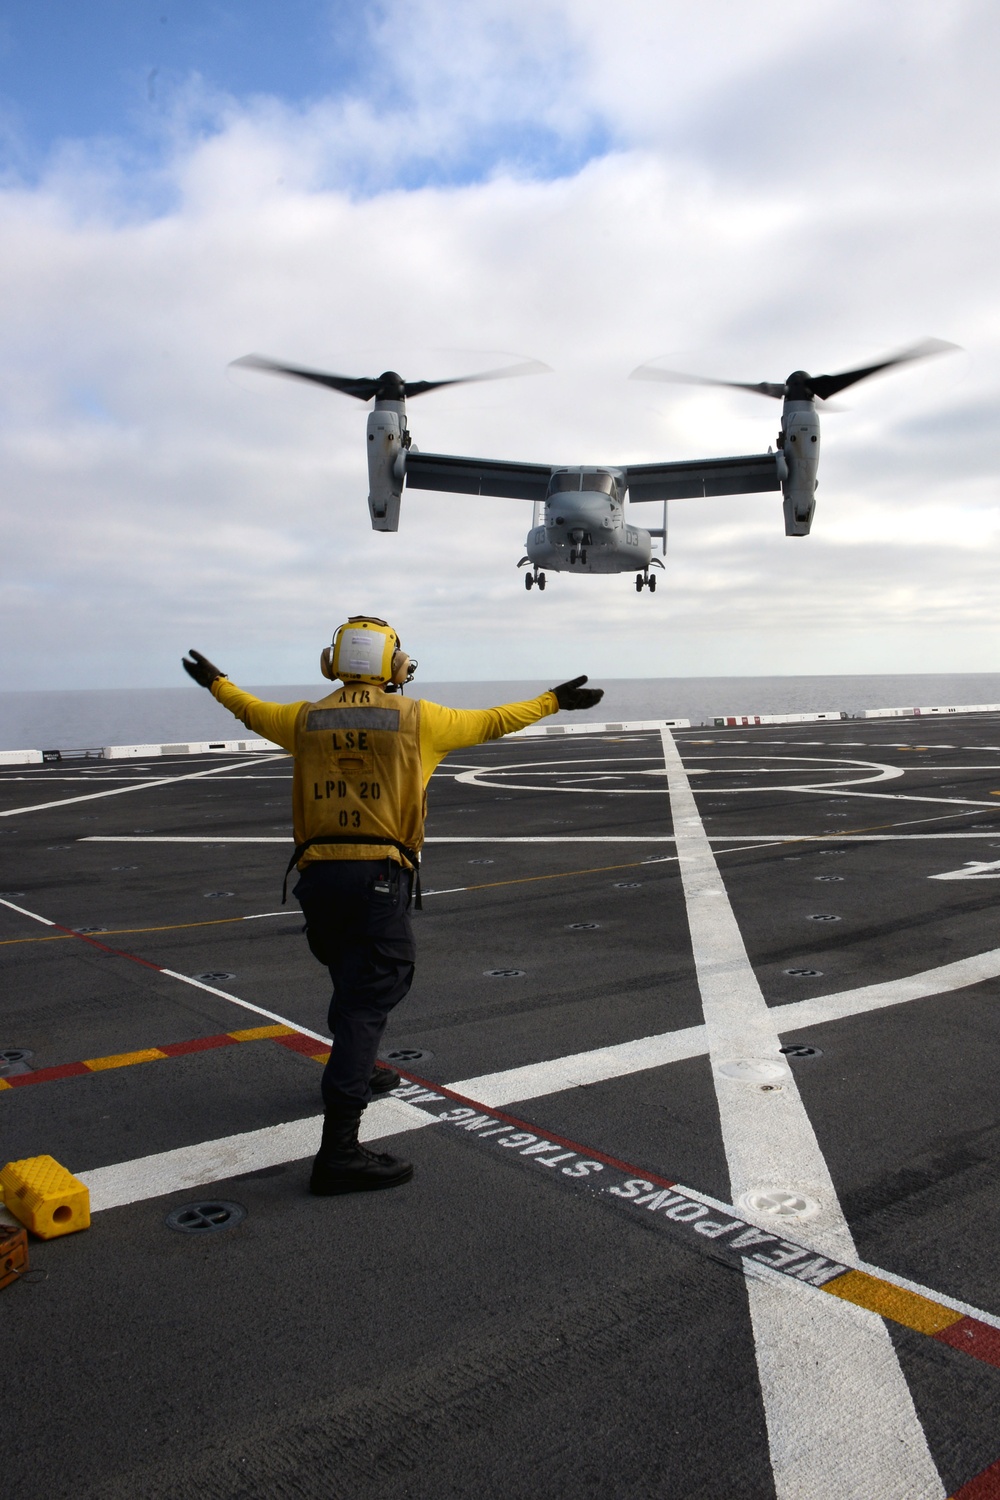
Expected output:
{"points": [[645, 1253]]}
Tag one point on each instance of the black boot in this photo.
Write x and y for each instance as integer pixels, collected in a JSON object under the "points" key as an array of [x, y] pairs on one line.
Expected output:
{"points": [[383, 1080], [343, 1166]]}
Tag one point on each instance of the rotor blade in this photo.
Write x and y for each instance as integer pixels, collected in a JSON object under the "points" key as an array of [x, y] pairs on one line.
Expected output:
{"points": [[362, 387], [388, 384], [527, 367], [675, 377], [828, 385]]}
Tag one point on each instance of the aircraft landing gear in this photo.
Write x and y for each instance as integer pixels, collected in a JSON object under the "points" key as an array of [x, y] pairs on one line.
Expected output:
{"points": [[644, 580], [530, 579], [529, 582]]}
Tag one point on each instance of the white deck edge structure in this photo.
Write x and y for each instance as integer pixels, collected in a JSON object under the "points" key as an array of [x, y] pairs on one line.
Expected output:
{"points": [[750, 721], [917, 713], [625, 726], [840, 1417], [190, 747]]}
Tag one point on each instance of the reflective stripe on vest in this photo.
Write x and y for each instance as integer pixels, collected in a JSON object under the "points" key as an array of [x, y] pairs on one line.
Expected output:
{"points": [[358, 774]]}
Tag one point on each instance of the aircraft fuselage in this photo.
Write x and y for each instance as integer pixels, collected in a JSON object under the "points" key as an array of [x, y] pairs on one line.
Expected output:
{"points": [[582, 527]]}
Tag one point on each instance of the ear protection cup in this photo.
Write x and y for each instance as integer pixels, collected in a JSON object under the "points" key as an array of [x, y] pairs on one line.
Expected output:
{"points": [[326, 663], [400, 667]]}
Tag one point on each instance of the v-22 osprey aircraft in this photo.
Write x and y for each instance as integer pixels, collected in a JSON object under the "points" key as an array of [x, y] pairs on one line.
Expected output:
{"points": [[580, 524]]}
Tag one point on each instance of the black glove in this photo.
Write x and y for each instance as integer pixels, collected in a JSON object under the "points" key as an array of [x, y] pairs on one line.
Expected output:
{"points": [[575, 695], [201, 669]]}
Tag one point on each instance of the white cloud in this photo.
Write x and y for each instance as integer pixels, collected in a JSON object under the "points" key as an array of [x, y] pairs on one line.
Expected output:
{"points": [[777, 195]]}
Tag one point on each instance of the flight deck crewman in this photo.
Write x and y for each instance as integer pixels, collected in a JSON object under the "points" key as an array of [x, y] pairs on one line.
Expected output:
{"points": [[363, 758]]}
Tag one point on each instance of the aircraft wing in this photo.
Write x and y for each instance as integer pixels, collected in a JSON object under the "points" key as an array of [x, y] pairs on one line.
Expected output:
{"points": [[476, 476], [694, 478]]}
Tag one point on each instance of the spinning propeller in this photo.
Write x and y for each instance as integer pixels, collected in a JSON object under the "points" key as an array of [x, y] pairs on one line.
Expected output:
{"points": [[800, 385], [385, 387]]}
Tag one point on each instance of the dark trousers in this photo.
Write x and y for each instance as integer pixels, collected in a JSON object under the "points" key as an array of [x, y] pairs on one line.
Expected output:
{"points": [[357, 915]]}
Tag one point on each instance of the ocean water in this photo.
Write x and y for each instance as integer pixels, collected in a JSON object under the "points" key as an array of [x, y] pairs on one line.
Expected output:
{"points": [[85, 718]]}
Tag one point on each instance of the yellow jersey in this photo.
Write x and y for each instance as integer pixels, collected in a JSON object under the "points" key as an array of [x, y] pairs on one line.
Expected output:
{"points": [[363, 759]]}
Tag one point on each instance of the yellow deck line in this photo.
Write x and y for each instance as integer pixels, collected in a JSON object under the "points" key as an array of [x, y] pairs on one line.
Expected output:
{"points": [[123, 1059], [898, 1304], [257, 1033], [62, 937], [894, 1302]]}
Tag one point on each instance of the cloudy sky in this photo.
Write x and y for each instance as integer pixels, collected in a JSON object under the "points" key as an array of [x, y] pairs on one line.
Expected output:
{"points": [[739, 187]]}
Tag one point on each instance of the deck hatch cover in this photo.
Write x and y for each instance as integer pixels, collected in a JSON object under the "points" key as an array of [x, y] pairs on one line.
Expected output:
{"points": [[205, 1216], [14, 1060]]}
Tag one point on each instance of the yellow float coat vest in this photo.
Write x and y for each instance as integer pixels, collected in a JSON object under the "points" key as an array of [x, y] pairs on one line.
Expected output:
{"points": [[357, 790]]}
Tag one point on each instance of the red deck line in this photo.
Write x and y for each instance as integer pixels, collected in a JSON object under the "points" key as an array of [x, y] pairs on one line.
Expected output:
{"points": [[44, 1075], [977, 1339], [198, 1044], [985, 1486], [304, 1044]]}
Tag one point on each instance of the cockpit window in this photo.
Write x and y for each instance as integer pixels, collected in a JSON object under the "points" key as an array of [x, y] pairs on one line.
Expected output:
{"points": [[599, 483]]}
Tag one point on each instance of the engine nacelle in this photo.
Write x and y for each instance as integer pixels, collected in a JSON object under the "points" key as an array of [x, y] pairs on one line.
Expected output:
{"points": [[800, 452], [386, 463]]}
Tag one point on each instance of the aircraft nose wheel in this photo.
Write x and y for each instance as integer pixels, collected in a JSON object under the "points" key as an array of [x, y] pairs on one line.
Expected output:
{"points": [[530, 579], [645, 581], [528, 582], [541, 580]]}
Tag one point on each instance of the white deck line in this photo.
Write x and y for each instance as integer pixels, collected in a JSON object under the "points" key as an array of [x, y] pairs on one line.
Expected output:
{"points": [[536, 1080], [212, 1161], [840, 1417], [139, 786], [835, 836], [196, 1166], [233, 1155]]}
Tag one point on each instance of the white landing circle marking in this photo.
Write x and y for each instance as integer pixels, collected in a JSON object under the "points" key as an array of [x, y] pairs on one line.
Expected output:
{"points": [[778, 1203], [544, 769], [543, 776], [754, 1070], [838, 765]]}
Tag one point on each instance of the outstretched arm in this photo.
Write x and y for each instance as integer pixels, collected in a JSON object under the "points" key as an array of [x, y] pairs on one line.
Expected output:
{"points": [[445, 729], [272, 721]]}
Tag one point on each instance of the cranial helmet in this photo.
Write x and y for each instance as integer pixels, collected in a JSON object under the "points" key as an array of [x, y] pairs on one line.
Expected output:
{"points": [[366, 649]]}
